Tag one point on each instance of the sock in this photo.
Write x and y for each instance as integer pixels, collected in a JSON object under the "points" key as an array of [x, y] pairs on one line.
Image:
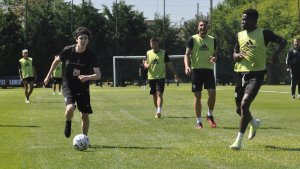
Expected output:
{"points": [[240, 136], [253, 122], [68, 121], [158, 110], [199, 120], [210, 112]]}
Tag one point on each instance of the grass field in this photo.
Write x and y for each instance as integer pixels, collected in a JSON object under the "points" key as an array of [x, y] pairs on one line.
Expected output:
{"points": [[125, 134]]}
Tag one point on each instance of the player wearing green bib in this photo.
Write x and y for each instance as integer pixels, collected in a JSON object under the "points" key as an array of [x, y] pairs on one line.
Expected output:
{"points": [[27, 74], [156, 61], [250, 57], [57, 77], [199, 62]]}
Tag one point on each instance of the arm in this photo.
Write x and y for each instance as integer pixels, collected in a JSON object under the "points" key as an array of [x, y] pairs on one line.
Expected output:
{"points": [[95, 76], [187, 61], [270, 36], [213, 58], [20, 73], [53, 66], [237, 54]]}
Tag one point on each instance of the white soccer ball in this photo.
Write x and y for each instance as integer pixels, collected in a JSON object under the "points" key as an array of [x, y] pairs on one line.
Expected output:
{"points": [[81, 142]]}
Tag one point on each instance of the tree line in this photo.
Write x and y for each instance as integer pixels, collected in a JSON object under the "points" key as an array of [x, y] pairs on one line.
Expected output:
{"points": [[44, 27]]}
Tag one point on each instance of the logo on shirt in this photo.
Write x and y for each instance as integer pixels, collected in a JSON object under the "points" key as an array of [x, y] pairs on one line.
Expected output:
{"points": [[27, 65], [250, 44], [204, 47], [154, 62]]}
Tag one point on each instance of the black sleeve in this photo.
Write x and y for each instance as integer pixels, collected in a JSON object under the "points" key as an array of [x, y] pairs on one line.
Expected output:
{"points": [[237, 45], [167, 58], [269, 36], [190, 43], [288, 58], [66, 52], [215, 44]]}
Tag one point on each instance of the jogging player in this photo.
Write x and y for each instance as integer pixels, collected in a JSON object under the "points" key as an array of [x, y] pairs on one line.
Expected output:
{"points": [[250, 57], [293, 66], [81, 67], [27, 74], [57, 77], [199, 60], [156, 61]]}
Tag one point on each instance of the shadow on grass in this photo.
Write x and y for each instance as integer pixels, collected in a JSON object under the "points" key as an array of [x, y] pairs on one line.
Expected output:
{"points": [[281, 148], [261, 128], [177, 117], [127, 147], [6, 125]]}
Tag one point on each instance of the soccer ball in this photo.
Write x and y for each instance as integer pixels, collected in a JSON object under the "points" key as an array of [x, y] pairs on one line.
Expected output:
{"points": [[81, 142]]}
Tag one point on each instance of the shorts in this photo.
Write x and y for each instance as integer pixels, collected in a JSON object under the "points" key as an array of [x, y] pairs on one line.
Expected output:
{"points": [[248, 83], [57, 80], [157, 85], [28, 79], [82, 100], [203, 77]]}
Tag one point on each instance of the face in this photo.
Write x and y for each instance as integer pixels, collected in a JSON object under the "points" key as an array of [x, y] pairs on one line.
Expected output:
{"points": [[154, 45], [25, 54], [82, 40], [202, 28], [247, 22], [296, 43]]}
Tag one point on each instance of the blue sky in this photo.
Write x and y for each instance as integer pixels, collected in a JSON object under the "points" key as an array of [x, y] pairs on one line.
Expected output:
{"points": [[178, 10]]}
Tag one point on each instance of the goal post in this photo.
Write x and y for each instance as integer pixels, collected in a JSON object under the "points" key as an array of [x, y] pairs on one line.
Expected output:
{"points": [[125, 68]]}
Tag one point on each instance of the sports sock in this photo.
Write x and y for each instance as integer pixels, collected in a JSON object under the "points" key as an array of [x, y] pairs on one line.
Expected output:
{"points": [[253, 122], [210, 112], [158, 110], [199, 120], [240, 136]]}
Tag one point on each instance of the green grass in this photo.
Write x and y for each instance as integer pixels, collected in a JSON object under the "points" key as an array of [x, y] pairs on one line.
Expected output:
{"points": [[125, 134]]}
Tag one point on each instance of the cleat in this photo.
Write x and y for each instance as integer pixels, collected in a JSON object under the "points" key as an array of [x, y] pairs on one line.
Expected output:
{"points": [[199, 125], [68, 129], [158, 115], [59, 93], [27, 101], [211, 121], [237, 145], [252, 131], [298, 96], [53, 93]]}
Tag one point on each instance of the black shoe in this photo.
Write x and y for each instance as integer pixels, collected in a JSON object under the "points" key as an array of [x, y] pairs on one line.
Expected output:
{"points": [[68, 129]]}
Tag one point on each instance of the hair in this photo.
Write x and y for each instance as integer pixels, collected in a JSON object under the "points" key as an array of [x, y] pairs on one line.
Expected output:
{"points": [[154, 39], [24, 51], [204, 21], [251, 13], [82, 30]]}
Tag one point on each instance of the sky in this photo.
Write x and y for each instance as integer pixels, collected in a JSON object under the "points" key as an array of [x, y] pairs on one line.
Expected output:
{"points": [[178, 10]]}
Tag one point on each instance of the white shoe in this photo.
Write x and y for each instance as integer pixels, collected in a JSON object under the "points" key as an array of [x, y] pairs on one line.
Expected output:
{"points": [[26, 101], [53, 93], [252, 131], [237, 145], [59, 93]]}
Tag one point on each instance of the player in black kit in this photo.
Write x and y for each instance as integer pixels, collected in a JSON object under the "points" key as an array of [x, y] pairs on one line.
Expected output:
{"points": [[81, 67]]}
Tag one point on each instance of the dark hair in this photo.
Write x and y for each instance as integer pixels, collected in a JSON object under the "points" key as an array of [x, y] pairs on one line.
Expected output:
{"points": [[82, 30], [204, 21], [154, 39], [251, 13]]}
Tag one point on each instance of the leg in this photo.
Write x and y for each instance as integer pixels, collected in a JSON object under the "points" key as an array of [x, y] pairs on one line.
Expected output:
{"points": [[211, 105], [85, 123], [31, 86], [197, 108], [25, 83], [246, 116], [293, 86], [69, 115], [54, 88]]}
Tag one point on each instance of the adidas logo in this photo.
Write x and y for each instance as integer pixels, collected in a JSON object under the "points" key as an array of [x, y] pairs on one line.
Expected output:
{"points": [[204, 47], [155, 61], [27, 65], [250, 44]]}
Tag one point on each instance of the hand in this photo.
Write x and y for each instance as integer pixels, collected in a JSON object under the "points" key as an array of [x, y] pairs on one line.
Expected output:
{"points": [[146, 64], [213, 59], [187, 71], [287, 69], [83, 78], [46, 80]]}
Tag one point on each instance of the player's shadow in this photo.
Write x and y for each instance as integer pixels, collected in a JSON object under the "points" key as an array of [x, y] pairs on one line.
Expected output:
{"points": [[281, 148], [260, 128], [13, 125], [126, 147], [177, 117]]}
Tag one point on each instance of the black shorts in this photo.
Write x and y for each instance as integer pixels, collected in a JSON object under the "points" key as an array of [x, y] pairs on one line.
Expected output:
{"points": [[157, 85], [82, 100], [57, 80], [248, 83], [202, 77], [28, 79]]}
